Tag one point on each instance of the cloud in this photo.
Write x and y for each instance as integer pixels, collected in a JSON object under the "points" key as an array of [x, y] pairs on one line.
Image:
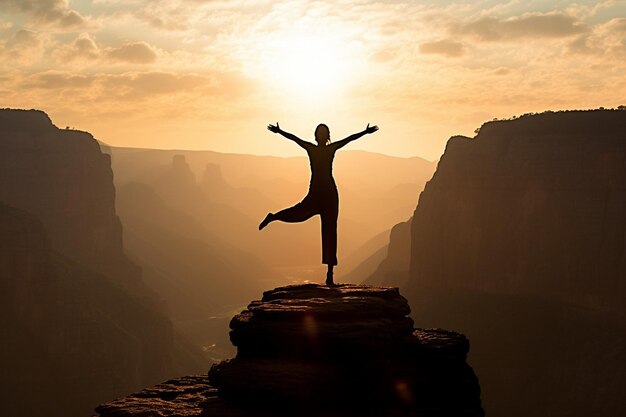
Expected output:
{"points": [[618, 25], [24, 48], [602, 39], [56, 80], [4, 24], [48, 12], [169, 15], [25, 39], [531, 25], [132, 53], [445, 47], [154, 83], [84, 47], [581, 45], [137, 86], [382, 56]]}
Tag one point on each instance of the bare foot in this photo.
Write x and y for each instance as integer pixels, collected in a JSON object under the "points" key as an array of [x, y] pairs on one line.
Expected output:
{"points": [[329, 279], [266, 221]]}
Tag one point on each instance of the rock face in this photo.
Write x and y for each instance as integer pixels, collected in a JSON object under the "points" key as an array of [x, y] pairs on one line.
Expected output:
{"points": [[70, 337], [394, 268], [182, 397], [529, 206], [78, 325], [62, 178], [313, 350], [519, 238]]}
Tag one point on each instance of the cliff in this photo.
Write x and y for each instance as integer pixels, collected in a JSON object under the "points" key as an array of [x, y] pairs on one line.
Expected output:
{"points": [[313, 350], [519, 238], [78, 325], [63, 178], [394, 268], [529, 206]]}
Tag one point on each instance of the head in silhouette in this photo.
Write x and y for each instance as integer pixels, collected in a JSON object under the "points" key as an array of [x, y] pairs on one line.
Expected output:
{"points": [[322, 135]]}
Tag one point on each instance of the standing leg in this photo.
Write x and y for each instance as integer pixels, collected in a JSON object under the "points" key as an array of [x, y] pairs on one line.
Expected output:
{"points": [[329, 276], [329, 240], [302, 211]]}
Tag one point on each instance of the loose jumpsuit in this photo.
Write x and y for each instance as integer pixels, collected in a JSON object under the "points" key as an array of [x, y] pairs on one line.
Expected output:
{"points": [[321, 199]]}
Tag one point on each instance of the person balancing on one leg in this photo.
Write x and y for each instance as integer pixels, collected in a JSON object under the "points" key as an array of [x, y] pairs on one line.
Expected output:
{"points": [[322, 197]]}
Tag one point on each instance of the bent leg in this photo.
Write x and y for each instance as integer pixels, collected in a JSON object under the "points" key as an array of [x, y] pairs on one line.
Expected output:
{"points": [[298, 213]]}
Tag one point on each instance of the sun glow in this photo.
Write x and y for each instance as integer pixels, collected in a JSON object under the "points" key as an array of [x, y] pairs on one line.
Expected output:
{"points": [[306, 65]]}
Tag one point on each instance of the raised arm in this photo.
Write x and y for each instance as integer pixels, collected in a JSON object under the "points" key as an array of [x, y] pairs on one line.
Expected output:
{"points": [[290, 136], [343, 142]]}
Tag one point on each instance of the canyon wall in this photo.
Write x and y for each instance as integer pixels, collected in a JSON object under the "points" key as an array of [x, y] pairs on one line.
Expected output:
{"points": [[518, 241], [78, 324], [533, 205], [63, 178]]}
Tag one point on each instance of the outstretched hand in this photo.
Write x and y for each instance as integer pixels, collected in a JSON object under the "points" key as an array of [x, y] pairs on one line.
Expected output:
{"points": [[370, 129], [272, 128]]}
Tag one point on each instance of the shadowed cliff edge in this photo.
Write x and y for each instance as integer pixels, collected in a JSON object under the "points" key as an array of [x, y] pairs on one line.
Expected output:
{"points": [[316, 350]]}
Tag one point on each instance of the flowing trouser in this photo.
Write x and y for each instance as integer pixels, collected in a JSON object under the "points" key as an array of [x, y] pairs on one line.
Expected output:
{"points": [[327, 206]]}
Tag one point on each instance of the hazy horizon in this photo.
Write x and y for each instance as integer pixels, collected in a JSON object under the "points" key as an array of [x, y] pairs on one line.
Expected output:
{"points": [[301, 155]]}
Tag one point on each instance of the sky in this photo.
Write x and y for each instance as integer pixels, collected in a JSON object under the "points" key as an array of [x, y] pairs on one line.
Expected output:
{"points": [[211, 74]]}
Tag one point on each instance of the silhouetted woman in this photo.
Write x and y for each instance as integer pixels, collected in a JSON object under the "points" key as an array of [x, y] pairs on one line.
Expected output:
{"points": [[322, 198]]}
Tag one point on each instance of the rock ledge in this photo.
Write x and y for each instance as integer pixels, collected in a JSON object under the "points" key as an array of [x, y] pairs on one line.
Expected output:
{"points": [[324, 351]]}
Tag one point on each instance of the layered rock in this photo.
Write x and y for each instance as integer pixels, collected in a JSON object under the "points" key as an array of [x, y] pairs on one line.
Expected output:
{"points": [[313, 350]]}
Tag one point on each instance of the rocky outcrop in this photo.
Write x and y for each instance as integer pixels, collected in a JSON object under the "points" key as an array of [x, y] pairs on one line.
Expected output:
{"points": [[182, 397], [317, 350], [345, 347]]}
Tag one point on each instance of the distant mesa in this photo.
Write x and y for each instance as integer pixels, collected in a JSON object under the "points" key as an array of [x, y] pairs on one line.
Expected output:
{"points": [[311, 350]]}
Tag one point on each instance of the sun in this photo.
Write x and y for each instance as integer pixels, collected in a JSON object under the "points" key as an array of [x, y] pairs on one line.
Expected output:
{"points": [[306, 65]]}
